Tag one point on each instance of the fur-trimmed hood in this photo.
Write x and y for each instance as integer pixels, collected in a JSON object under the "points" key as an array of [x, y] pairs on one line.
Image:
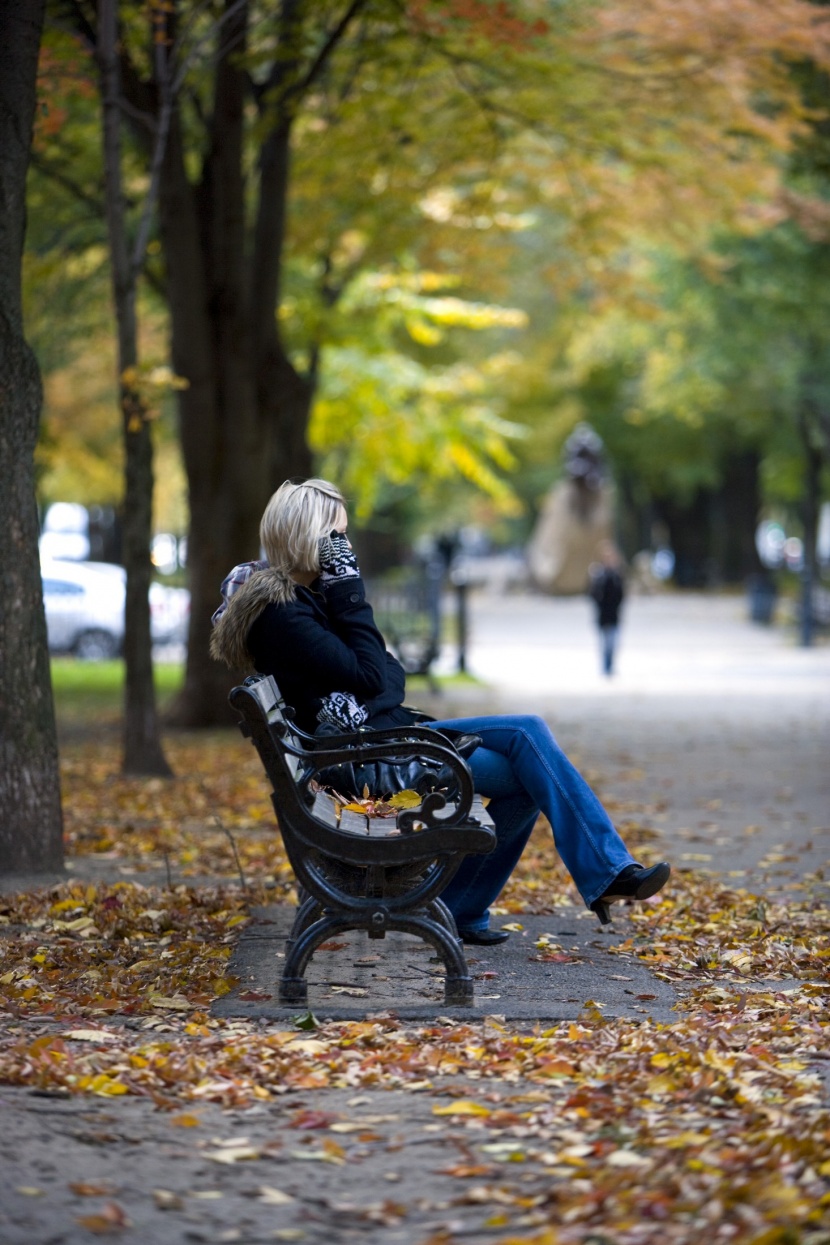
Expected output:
{"points": [[228, 639]]}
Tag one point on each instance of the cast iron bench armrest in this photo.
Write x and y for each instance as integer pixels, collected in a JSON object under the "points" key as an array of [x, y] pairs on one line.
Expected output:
{"points": [[369, 750]]}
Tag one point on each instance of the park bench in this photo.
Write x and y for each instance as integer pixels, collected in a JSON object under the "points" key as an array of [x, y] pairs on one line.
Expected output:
{"points": [[360, 872]]}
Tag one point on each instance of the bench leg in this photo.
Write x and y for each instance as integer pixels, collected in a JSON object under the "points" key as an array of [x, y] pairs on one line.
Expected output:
{"points": [[293, 990], [308, 912], [437, 927], [299, 950], [441, 914], [458, 984]]}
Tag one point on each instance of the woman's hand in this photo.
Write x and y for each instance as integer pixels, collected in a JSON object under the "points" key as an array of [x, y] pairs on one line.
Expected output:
{"points": [[337, 560]]}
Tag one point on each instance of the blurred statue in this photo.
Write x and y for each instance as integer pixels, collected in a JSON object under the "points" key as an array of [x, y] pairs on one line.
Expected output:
{"points": [[576, 516]]}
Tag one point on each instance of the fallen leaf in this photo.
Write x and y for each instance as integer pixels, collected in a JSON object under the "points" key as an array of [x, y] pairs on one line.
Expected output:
{"points": [[112, 1218], [274, 1197], [234, 1154], [90, 1035], [165, 1199], [462, 1107], [626, 1158]]}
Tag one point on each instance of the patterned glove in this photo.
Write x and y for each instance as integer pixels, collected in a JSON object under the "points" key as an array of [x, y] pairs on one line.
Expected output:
{"points": [[340, 709], [337, 560]]}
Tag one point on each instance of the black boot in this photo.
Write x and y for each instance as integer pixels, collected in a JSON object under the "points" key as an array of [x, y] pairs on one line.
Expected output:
{"points": [[634, 882]]}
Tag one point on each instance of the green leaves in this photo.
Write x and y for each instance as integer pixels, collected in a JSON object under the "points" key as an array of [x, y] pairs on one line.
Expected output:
{"points": [[386, 417]]}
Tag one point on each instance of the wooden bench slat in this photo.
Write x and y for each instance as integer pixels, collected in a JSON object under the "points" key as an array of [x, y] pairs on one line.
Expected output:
{"points": [[380, 827], [479, 811], [325, 809], [353, 823]]}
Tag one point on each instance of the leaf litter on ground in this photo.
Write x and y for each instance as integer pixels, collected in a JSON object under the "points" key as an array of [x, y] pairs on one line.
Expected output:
{"points": [[716, 1124]]}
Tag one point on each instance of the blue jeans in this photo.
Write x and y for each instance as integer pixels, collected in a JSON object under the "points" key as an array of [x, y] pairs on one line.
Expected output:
{"points": [[523, 770], [608, 634]]}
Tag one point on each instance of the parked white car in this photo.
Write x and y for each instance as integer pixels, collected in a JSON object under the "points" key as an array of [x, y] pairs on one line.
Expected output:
{"points": [[85, 609]]}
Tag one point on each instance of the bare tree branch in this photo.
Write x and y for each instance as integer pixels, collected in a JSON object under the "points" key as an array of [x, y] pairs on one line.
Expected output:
{"points": [[323, 56]]}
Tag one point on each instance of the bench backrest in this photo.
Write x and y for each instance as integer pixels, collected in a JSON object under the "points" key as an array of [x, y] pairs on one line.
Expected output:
{"points": [[272, 703]]}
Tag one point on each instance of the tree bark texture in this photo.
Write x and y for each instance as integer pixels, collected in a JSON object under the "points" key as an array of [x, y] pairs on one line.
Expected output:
{"points": [[31, 836], [142, 749], [245, 414]]}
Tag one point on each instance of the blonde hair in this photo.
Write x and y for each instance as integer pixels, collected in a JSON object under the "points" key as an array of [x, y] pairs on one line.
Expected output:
{"points": [[295, 519]]}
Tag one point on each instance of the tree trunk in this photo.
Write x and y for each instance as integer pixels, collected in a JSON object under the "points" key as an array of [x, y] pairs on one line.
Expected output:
{"points": [[811, 502], [31, 836], [143, 752], [245, 413], [244, 416], [736, 509]]}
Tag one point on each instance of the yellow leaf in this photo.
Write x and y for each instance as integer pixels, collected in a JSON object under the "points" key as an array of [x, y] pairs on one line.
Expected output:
{"points": [[662, 1060], [464, 1106], [186, 1120], [81, 922], [686, 1139], [405, 799], [63, 905], [104, 1085]]}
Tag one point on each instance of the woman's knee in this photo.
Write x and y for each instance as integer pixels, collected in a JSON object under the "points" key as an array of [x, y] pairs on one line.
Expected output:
{"points": [[532, 726]]}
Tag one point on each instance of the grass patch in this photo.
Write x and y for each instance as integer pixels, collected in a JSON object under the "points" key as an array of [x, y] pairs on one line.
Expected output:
{"points": [[419, 683], [95, 689]]}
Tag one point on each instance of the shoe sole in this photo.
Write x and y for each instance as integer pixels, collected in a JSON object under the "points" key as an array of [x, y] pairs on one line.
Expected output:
{"points": [[472, 940]]}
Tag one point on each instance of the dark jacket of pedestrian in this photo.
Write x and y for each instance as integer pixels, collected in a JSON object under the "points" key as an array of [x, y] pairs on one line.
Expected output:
{"points": [[607, 589]]}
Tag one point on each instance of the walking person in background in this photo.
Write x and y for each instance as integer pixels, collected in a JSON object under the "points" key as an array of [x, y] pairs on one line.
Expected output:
{"points": [[607, 589]]}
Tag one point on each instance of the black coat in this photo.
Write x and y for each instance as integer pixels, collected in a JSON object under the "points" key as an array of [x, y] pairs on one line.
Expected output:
{"points": [[608, 591], [328, 642]]}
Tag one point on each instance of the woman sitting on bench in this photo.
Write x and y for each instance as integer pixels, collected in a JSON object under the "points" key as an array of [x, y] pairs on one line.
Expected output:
{"points": [[303, 617]]}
